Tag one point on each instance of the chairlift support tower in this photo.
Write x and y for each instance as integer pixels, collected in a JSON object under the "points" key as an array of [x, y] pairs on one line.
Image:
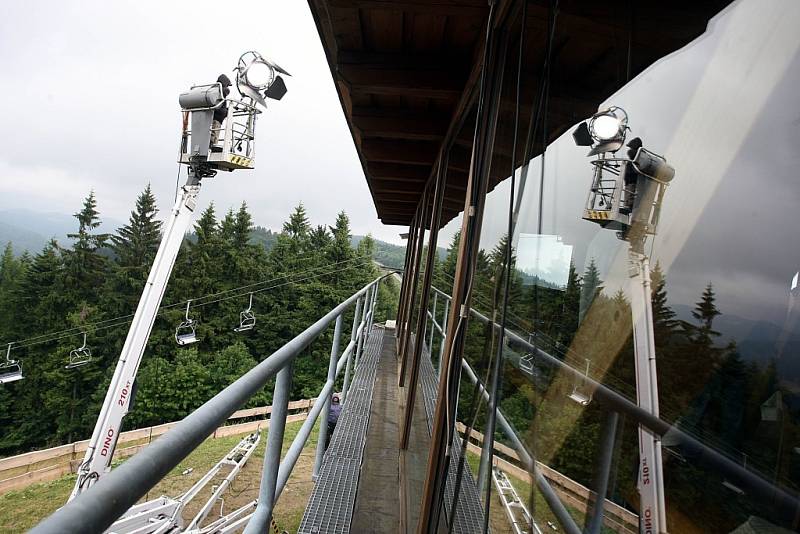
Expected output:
{"points": [[626, 196], [255, 76]]}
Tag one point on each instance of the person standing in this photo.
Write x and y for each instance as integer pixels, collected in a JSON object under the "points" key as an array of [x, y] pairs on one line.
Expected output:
{"points": [[333, 417], [220, 113]]}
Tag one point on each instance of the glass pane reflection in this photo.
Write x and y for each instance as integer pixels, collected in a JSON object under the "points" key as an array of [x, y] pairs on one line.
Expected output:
{"points": [[723, 265]]}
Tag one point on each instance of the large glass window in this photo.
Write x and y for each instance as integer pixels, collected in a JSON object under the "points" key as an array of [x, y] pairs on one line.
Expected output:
{"points": [[723, 264]]}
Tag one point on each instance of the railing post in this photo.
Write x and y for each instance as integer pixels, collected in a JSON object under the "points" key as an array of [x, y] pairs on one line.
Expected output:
{"points": [[272, 456], [433, 322], [353, 333], [444, 335], [367, 314], [322, 437], [372, 308], [595, 516], [361, 338], [375, 289]]}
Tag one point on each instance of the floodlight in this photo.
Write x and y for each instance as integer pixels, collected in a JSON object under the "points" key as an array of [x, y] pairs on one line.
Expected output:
{"points": [[256, 77], [604, 131], [609, 124], [605, 127], [259, 75]]}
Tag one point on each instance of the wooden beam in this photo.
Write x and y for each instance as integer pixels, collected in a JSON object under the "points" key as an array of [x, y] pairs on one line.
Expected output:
{"points": [[434, 61], [404, 82], [465, 8], [421, 153], [399, 125], [397, 171]]}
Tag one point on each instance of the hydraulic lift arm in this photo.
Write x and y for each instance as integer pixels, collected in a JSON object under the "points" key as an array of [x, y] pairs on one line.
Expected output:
{"points": [[97, 460]]}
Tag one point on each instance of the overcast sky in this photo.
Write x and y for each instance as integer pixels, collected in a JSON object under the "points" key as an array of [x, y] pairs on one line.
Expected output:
{"points": [[91, 102]]}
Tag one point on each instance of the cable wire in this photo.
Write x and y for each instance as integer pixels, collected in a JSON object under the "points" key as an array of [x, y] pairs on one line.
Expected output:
{"points": [[238, 292]]}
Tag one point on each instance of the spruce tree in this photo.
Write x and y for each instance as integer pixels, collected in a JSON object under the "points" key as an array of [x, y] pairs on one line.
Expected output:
{"points": [[592, 286], [705, 312], [135, 246], [12, 272], [297, 227], [446, 270], [242, 227], [136, 243], [664, 323], [203, 273], [571, 306], [319, 237], [227, 228], [85, 267], [340, 248], [339, 255]]}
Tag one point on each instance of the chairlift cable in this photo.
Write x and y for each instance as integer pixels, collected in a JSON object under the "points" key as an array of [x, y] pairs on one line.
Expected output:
{"points": [[123, 320], [100, 325], [96, 325]]}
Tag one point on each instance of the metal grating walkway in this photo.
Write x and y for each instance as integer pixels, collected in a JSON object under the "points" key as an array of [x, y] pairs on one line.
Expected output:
{"points": [[330, 507], [469, 512]]}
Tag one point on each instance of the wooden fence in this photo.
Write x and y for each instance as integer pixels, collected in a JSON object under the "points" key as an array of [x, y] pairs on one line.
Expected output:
{"points": [[19, 471], [572, 493]]}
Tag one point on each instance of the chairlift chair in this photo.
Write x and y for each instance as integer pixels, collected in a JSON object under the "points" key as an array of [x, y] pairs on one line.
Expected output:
{"points": [[247, 319], [581, 397], [80, 356], [10, 370], [526, 362], [185, 334]]}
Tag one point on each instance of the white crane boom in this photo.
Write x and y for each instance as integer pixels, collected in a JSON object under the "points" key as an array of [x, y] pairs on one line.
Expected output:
{"points": [[202, 105], [97, 460]]}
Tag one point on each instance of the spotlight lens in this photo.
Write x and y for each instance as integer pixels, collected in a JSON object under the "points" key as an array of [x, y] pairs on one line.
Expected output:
{"points": [[259, 75], [606, 127]]}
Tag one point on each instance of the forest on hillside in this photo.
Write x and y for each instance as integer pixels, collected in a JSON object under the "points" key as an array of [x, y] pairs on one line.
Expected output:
{"points": [[706, 387], [48, 300]]}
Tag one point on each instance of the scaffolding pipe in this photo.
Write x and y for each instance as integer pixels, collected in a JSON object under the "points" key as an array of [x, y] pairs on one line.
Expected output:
{"points": [[364, 322], [354, 336], [323, 427], [595, 516], [432, 315], [444, 337], [296, 448], [359, 345], [272, 456]]}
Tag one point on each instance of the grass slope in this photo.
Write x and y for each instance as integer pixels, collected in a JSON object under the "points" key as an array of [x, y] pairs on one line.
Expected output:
{"points": [[21, 510]]}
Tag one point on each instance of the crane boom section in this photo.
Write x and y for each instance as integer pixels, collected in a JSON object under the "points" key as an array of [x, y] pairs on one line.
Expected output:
{"points": [[97, 461]]}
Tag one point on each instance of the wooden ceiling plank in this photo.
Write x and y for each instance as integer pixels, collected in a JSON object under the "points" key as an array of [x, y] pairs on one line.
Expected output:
{"points": [[474, 8], [420, 153]]}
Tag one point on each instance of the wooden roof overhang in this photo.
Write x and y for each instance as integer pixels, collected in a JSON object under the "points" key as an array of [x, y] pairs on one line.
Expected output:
{"points": [[407, 74]]}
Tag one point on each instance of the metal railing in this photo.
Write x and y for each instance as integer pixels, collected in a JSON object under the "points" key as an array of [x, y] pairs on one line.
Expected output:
{"points": [[97, 508], [615, 403]]}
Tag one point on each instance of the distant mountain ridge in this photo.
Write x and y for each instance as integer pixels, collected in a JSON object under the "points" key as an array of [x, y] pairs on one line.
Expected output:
{"points": [[756, 340], [30, 230]]}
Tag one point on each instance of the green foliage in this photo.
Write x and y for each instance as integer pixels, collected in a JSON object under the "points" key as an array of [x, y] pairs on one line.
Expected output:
{"points": [[101, 277]]}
